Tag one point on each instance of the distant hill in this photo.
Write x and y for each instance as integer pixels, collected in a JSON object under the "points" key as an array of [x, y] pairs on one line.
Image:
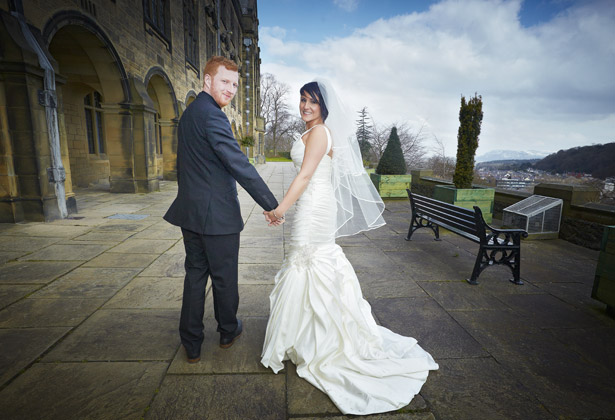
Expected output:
{"points": [[510, 155], [508, 165], [598, 160]]}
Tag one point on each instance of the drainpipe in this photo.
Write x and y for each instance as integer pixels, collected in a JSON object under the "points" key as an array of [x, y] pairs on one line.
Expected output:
{"points": [[48, 99], [218, 25]]}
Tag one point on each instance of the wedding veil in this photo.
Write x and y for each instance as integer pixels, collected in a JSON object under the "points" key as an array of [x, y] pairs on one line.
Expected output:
{"points": [[359, 206]]}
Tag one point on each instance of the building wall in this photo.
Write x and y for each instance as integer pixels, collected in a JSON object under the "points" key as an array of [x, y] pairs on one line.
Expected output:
{"points": [[145, 81]]}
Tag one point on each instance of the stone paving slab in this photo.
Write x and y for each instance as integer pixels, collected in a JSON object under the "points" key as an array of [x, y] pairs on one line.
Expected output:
{"points": [[459, 295], [35, 272], [546, 311], [479, 388], [178, 248], [167, 265], [22, 346], [121, 260], [144, 246], [51, 230], [365, 258], [303, 398], [105, 236], [10, 293], [27, 243], [81, 252], [149, 293], [121, 335], [90, 283], [115, 226], [268, 241], [388, 282], [155, 232], [7, 256], [48, 312], [258, 273], [260, 255], [82, 391], [212, 397], [425, 320], [243, 357]]}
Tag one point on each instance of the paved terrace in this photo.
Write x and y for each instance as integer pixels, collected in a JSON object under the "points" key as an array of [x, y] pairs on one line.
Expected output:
{"points": [[89, 309]]}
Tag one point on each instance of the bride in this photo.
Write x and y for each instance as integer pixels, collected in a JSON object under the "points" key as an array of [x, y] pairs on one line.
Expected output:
{"points": [[319, 319]]}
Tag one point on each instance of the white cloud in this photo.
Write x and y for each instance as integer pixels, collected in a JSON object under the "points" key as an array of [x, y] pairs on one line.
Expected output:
{"points": [[347, 5], [547, 87]]}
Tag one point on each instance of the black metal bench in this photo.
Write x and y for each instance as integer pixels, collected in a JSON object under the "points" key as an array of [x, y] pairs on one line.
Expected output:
{"points": [[497, 246]]}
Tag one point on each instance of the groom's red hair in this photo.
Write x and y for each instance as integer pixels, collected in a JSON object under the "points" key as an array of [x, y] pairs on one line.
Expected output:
{"points": [[212, 65]]}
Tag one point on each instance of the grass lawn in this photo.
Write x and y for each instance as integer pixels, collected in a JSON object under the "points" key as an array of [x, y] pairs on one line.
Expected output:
{"points": [[278, 159]]}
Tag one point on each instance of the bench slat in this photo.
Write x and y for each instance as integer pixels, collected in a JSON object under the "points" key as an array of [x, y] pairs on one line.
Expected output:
{"points": [[453, 222]]}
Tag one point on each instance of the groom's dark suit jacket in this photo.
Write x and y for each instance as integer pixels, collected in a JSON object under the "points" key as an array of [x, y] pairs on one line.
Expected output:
{"points": [[209, 161]]}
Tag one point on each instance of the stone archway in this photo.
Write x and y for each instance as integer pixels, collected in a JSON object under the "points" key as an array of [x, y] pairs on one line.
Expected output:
{"points": [[96, 84], [190, 97], [161, 92]]}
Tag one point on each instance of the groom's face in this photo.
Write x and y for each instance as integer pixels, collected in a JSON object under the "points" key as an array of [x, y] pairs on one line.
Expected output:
{"points": [[222, 86]]}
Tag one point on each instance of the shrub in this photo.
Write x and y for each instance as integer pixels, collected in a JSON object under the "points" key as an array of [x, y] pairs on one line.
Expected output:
{"points": [[392, 161], [470, 119]]}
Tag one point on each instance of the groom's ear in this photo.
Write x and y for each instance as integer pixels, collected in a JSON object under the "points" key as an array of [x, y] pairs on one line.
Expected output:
{"points": [[207, 82]]}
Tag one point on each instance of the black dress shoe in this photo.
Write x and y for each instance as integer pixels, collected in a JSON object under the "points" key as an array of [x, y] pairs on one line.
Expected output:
{"points": [[228, 340], [194, 359]]}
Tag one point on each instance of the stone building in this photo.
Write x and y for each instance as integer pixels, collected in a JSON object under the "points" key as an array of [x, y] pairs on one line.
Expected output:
{"points": [[91, 92]]}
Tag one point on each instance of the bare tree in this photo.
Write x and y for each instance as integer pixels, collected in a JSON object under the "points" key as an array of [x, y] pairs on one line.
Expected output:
{"points": [[275, 110], [411, 142], [442, 165]]}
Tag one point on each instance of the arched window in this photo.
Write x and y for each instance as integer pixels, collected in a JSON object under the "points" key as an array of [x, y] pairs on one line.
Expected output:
{"points": [[191, 34], [94, 123]]}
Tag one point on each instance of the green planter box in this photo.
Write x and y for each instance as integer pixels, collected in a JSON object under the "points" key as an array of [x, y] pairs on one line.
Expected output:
{"points": [[391, 186], [467, 198], [604, 282]]}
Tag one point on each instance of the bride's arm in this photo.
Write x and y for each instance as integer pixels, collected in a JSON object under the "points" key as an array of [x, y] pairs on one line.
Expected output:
{"points": [[315, 149]]}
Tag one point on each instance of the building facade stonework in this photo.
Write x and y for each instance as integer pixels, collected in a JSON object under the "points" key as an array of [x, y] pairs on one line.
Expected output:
{"points": [[91, 92]]}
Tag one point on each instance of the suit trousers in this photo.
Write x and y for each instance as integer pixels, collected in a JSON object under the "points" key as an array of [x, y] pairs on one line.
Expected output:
{"points": [[214, 256]]}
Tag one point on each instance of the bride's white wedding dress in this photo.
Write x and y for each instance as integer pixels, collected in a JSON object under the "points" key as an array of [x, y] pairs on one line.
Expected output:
{"points": [[320, 321]]}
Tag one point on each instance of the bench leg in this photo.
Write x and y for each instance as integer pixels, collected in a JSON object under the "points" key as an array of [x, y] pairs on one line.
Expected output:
{"points": [[473, 280], [516, 269], [437, 232], [410, 230]]}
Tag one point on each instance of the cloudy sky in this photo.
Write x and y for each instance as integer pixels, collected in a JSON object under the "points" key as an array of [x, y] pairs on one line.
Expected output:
{"points": [[545, 68]]}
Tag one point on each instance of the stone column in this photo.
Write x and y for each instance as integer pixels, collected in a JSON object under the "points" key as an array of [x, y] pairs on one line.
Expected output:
{"points": [[131, 143], [26, 190], [168, 130]]}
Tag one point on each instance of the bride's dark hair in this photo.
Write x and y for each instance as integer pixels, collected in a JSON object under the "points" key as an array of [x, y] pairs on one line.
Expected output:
{"points": [[313, 90]]}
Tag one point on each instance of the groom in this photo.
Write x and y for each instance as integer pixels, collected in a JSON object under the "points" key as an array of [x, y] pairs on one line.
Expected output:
{"points": [[209, 161]]}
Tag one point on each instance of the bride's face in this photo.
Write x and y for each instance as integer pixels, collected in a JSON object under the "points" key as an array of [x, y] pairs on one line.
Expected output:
{"points": [[309, 109]]}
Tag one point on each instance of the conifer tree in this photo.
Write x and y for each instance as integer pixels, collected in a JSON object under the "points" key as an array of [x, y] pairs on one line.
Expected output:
{"points": [[470, 120], [392, 161], [364, 133]]}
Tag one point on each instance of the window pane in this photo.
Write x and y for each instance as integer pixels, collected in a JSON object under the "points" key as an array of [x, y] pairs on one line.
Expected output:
{"points": [[97, 99], [99, 132], [89, 131], [87, 100]]}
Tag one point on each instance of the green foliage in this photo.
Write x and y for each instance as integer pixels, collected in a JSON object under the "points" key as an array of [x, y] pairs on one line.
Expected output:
{"points": [[470, 119], [247, 141], [364, 133], [392, 161]]}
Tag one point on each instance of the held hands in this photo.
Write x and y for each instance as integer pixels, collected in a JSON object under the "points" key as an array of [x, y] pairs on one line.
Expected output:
{"points": [[273, 219]]}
